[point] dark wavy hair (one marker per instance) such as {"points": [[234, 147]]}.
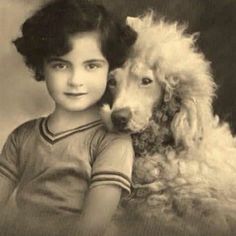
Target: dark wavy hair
{"points": [[47, 33]]}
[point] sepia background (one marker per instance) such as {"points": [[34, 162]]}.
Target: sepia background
{"points": [[22, 98]]}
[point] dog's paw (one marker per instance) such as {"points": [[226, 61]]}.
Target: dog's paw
{"points": [[146, 170]]}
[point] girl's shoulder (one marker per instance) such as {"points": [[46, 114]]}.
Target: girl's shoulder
{"points": [[102, 133], [103, 138], [27, 125], [26, 128], [21, 133]]}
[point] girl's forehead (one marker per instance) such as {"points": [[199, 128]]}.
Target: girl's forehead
{"points": [[85, 45], [85, 35]]}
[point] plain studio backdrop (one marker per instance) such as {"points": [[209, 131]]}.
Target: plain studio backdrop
{"points": [[22, 98]]}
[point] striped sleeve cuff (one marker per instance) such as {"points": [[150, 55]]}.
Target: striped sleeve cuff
{"points": [[111, 178]]}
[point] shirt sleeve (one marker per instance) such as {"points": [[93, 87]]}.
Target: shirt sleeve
{"points": [[113, 162], [8, 159]]}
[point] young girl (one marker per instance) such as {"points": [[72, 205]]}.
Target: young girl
{"points": [[66, 165]]}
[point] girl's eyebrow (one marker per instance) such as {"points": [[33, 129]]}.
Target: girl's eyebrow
{"points": [[95, 60], [52, 59]]}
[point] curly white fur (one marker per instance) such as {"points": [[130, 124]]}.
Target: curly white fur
{"points": [[195, 182]]}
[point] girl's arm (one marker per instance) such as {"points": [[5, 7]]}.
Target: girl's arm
{"points": [[9, 167], [100, 205], [6, 189], [111, 175]]}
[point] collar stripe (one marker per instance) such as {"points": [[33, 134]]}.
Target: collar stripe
{"points": [[53, 138], [70, 130]]}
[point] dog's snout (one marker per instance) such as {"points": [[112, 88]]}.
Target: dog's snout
{"points": [[121, 117]]}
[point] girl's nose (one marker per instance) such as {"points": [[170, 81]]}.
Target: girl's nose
{"points": [[74, 80]]}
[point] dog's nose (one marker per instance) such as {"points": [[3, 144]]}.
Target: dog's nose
{"points": [[121, 117]]}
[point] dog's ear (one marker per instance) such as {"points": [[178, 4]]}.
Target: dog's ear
{"points": [[195, 114], [105, 112], [134, 22], [106, 98], [186, 107], [105, 104], [187, 125], [139, 23]]}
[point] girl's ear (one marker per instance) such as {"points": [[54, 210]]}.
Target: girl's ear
{"points": [[39, 73]]}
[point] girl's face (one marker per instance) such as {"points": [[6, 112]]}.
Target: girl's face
{"points": [[77, 80]]}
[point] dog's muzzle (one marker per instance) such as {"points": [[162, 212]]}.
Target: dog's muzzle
{"points": [[120, 118]]}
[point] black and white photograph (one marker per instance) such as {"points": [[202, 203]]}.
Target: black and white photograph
{"points": [[118, 118]]}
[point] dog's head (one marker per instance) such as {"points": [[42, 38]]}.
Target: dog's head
{"points": [[164, 78]]}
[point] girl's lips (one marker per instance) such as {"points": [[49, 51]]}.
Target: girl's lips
{"points": [[75, 94]]}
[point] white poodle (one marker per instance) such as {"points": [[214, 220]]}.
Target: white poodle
{"points": [[184, 177]]}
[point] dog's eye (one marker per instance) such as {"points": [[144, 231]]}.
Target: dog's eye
{"points": [[146, 81], [112, 82]]}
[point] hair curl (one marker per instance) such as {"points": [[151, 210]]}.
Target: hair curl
{"points": [[46, 33]]}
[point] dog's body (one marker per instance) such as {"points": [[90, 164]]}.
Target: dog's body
{"points": [[185, 167]]}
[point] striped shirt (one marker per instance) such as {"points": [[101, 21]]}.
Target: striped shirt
{"points": [[54, 171]]}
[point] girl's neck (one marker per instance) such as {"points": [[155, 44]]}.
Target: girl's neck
{"points": [[62, 120]]}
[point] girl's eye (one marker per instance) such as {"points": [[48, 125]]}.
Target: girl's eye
{"points": [[59, 66], [146, 81], [92, 66]]}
